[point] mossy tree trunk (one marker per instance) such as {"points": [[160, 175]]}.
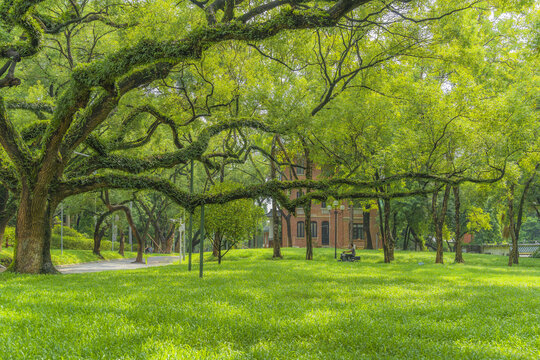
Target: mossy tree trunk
{"points": [[33, 233], [127, 211], [99, 232]]}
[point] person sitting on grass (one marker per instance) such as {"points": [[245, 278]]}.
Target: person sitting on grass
{"points": [[345, 256]]}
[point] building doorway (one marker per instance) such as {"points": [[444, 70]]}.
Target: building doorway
{"points": [[325, 233]]}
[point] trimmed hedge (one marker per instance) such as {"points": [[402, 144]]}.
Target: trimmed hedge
{"points": [[73, 240]]}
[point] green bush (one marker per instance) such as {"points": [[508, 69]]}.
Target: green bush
{"points": [[74, 240], [9, 235]]}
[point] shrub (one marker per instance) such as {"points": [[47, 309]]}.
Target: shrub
{"points": [[73, 240], [9, 235], [536, 254]]}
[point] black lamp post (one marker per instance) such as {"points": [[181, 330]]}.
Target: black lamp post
{"points": [[341, 208]]}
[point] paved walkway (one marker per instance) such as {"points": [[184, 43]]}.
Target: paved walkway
{"points": [[112, 265]]}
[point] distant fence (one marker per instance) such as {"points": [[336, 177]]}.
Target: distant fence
{"points": [[501, 249]]}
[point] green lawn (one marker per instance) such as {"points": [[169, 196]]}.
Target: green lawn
{"points": [[251, 307]]}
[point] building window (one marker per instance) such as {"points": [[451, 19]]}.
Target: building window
{"points": [[299, 170], [299, 194], [300, 229], [358, 230], [313, 229], [323, 205]]}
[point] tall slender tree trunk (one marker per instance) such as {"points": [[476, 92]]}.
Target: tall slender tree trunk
{"points": [[122, 243], [309, 237], [406, 238], [459, 248], [351, 223], [309, 176], [515, 228], [392, 231], [513, 257], [384, 216], [438, 222], [367, 229], [275, 217], [389, 240]]}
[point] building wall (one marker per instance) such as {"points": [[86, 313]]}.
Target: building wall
{"points": [[320, 214]]}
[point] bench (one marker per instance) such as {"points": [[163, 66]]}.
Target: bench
{"points": [[349, 258]]}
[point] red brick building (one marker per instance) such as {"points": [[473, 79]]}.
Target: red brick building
{"points": [[324, 223]]}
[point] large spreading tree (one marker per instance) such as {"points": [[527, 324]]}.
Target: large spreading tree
{"points": [[91, 137]]}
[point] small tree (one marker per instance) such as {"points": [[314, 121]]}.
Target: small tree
{"points": [[232, 222]]}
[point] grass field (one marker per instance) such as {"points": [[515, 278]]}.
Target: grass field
{"points": [[252, 307]]}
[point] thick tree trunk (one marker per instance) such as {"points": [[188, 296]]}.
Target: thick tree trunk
{"points": [[367, 230], [99, 232], [33, 234], [216, 245], [169, 241], [275, 232], [289, 230], [459, 249]]}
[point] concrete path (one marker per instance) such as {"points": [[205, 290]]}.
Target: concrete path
{"points": [[112, 265]]}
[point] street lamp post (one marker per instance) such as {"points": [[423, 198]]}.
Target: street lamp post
{"points": [[201, 243], [62, 229], [341, 208], [190, 226], [130, 230]]}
